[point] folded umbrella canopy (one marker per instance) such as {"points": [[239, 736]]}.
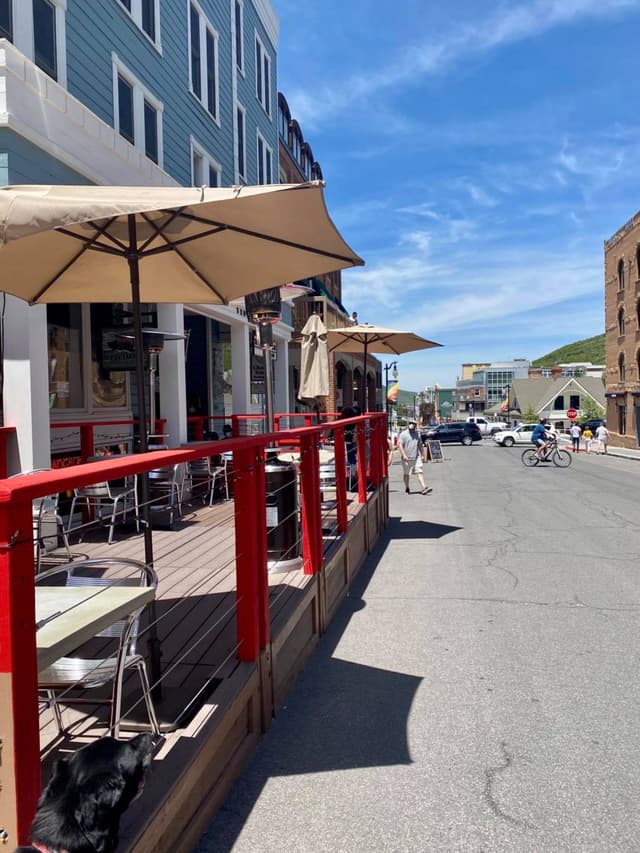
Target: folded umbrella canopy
{"points": [[314, 360], [366, 338]]}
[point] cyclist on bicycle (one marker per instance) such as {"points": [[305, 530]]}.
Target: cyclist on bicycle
{"points": [[539, 437]]}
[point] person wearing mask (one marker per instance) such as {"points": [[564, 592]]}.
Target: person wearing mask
{"points": [[412, 456]]}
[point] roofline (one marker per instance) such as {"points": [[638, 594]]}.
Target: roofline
{"points": [[628, 226]]}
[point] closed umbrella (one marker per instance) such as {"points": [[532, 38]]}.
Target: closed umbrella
{"points": [[170, 244], [369, 338], [314, 360]]}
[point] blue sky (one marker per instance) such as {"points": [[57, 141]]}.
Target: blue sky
{"points": [[477, 154]]}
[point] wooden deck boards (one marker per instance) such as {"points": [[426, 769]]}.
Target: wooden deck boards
{"points": [[196, 608]]}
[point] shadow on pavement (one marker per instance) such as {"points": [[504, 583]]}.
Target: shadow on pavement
{"points": [[340, 715]]}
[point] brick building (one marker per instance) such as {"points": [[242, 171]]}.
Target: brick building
{"points": [[622, 333]]}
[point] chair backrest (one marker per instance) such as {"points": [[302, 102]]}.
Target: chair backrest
{"points": [[200, 467]]}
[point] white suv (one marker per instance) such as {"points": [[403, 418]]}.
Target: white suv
{"points": [[520, 435]]}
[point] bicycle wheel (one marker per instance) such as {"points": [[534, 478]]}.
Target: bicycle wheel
{"points": [[561, 458], [529, 458]]}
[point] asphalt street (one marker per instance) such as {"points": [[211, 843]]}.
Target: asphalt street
{"points": [[479, 689]]}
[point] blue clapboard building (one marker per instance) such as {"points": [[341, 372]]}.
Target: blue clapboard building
{"points": [[133, 92]]}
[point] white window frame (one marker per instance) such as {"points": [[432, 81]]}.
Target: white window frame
{"points": [[241, 176], [261, 95], [140, 95], [241, 65], [23, 33], [205, 26], [136, 16], [267, 150], [207, 160]]}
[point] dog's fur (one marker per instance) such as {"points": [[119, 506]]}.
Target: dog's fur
{"points": [[80, 809]]}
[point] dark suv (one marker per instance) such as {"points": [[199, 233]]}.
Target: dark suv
{"points": [[592, 423], [458, 431]]}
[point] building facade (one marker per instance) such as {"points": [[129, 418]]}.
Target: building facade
{"points": [[133, 92], [622, 333], [346, 374], [487, 389]]}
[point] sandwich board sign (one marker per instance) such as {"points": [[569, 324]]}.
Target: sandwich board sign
{"points": [[434, 451]]}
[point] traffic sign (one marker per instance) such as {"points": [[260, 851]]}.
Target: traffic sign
{"points": [[572, 414]]}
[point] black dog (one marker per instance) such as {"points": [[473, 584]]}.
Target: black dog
{"points": [[80, 809]]}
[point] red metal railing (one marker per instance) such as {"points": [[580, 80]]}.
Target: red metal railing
{"points": [[18, 666], [87, 435]]}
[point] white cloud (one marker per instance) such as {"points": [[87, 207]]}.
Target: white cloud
{"points": [[505, 26]]}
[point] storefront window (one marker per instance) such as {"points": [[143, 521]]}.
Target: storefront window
{"points": [[64, 331], [108, 387]]}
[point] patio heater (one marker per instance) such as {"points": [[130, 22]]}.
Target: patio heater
{"points": [[153, 341], [264, 309]]}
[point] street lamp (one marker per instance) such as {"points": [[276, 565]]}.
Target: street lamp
{"points": [[393, 366]]}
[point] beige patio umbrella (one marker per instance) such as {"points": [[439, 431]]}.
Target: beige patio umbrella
{"points": [[314, 360], [162, 244], [367, 338]]}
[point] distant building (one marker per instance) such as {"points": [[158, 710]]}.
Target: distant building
{"points": [[622, 333], [488, 387], [552, 397], [573, 368]]}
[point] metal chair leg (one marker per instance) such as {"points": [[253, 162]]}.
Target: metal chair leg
{"points": [[146, 692]]}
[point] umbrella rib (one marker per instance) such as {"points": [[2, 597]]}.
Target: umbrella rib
{"points": [[60, 272], [247, 232]]}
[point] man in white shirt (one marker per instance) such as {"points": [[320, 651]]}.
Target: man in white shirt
{"points": [[602, 435]]}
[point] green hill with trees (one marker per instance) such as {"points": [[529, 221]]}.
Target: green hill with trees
{"points": [[590, 349]]}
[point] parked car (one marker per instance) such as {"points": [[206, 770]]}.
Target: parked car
{"points": [[520, 435], [457, 431], [592, 423], [488, 427]]}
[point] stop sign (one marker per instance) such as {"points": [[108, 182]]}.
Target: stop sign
{"points": [[572, 414]]}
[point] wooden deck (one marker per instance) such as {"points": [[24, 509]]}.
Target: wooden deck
{"points": [[207, 693]]}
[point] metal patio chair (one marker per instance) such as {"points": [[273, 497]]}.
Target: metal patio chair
{"points": [[206, 471], [166, 486], [45, 510], [100, 495], [70, 673]]}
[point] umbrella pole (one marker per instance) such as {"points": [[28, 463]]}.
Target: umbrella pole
{"points": [[134, 272], [364, 370]]}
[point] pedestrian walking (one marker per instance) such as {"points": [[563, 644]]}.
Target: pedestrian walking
{"points": [[602, 435], [587, 435], [412, 456], [576, 432]]}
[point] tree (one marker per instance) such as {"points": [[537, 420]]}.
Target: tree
{"points": [[590, 409], [530, 416]]}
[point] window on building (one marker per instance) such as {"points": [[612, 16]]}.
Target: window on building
{"points": [[125, 109], [622, 420], [559, 403], [239, 34], [621, 274], [621, 367], [137, 113], [265, 161], [64, 334], [638, 362], [44, 37], [263, 76], [146, 15], [205, 171], [240, 143], [37, 28], [638, 314], [638, 262], [546, 373], [150, 131], [6, 19], [621, 321], [574, 401], [295, 144], [283, 124], [203, 51]]}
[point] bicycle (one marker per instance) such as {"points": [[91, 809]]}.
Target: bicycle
{"points": [[552, 453]]}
